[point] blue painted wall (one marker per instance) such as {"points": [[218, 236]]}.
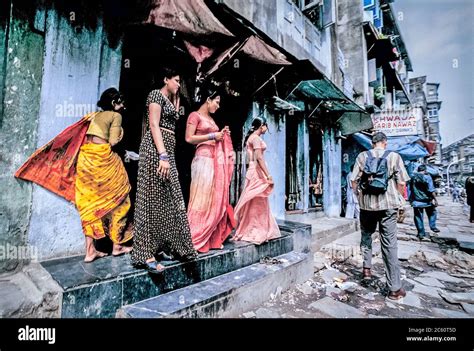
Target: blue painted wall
{"points": [[77, 66], [331, 174]]}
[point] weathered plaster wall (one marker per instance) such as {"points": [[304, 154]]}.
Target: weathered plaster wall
{"points": [[331, 174], [78, 65], [289, 28], [303, 162], [23, 63], [275, 156], [276, 161], [352, 43]]}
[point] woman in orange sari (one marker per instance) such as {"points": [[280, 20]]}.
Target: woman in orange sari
{"points": [[80, 166], [209, 213], [256, 223]]}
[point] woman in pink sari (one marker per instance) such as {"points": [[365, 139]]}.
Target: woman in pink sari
{"points": [[256, 223], [211, 218]]}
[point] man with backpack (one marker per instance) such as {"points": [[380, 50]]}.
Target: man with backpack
{"points": [[423, 197], [379, 177]]}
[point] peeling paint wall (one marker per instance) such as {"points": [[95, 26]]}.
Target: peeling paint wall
{"points": [[331, 174], [276, 162], [78, 66], [303, 161], [21, 100]]}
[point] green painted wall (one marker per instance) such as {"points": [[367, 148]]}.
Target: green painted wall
{"points": [[21, 101]]}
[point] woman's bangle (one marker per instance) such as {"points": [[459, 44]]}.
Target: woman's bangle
{"points": [[164, 157], [211, 136]]}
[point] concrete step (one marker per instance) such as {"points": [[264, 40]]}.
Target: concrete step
{"points": [[227, 295], [343, 248], [323, 235], [325, 230], [100, 288]]}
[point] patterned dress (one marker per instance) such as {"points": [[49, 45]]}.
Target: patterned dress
{"points": [[161, 222]]}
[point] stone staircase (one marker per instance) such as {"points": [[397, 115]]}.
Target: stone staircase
{"points": [[103, 287], [226, 295], [222, 283]]}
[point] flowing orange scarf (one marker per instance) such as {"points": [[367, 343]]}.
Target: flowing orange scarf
{"points": [[53, 166]]}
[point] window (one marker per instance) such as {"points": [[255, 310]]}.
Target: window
{"points": [[369, 3], [314, 13], [309, 4], [433, 112]]}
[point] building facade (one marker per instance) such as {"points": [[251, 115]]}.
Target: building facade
{"points": [[433, 106], [60, 56], [425, 96], [459, 156], [378, 64]]}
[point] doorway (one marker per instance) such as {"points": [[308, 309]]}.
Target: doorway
{"points": [[315, 165]]}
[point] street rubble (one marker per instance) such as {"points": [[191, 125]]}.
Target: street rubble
{"points": [[437, 275]]}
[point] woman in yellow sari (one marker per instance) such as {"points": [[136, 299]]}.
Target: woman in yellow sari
{"points": [[102, 186], [80, 166]]}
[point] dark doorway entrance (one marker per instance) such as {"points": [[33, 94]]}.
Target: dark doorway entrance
{"points": [[294, 191], [315, 165], [146, 50]]}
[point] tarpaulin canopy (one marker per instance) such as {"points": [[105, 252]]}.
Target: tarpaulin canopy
{"points": [[186, 16], [353, 122], [353, 119], [429, 145], [318, 90], [433, 171], [199, 23], [279, 104], [408, 147], [254, 47]]}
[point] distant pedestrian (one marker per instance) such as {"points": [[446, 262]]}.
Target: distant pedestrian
{"points": [[352, 208], [470, 196], [423, 198], [455, 194], [380, 176]]}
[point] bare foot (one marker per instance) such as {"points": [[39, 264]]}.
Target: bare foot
{"points": [[94, 256], [120, 250]]}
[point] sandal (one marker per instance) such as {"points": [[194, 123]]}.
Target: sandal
{"points": [[154, 267], [165, 257]]}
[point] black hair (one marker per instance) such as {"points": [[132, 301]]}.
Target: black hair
{"points": [[159, 77], [208, 91], [107, 97], [378, 137], [256, 123]]}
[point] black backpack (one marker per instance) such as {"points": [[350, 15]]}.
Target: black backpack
{"points": [[375, 175]]}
